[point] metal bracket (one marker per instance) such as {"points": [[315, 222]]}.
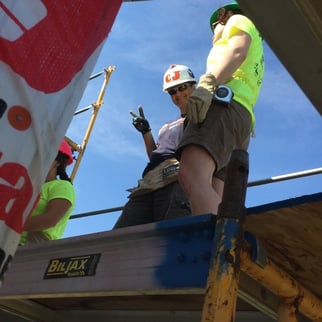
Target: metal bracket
{"points": [[258, 250]]}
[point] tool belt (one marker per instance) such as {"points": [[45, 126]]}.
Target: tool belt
{"points": [[162, 175]]}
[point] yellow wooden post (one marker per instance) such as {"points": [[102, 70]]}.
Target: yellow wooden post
{"points": [[222, 284]]}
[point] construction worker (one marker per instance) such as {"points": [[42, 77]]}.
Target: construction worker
{"points": [[158, 195], [221, 109], [57, 199]]}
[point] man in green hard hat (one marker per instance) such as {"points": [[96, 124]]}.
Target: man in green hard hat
{"points": [[221, 109]]}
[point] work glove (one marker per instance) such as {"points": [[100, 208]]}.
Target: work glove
{"points": [[201, 98], [140, 122]]}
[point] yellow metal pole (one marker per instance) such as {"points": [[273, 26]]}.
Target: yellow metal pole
{"points": [[96, 106], [222, 284], [287, 312], [283, 285]]}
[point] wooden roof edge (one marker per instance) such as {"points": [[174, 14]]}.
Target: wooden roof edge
{"points": [[285, 203]]}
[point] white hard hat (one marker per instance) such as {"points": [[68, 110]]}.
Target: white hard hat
{"points": [[177, 74]]}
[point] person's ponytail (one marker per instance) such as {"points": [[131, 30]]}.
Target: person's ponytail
{"points": [[62, 159]]}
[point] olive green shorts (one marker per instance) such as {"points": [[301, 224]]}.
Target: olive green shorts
{"points": [[225, 129]]}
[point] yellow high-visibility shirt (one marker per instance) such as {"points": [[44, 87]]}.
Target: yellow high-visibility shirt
{"points": [[50, 190], [247, 80]]}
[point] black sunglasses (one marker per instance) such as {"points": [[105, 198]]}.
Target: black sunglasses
{"points": [[180, 88]]}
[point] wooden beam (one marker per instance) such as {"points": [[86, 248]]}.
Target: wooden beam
{"points": [[292, 29]]}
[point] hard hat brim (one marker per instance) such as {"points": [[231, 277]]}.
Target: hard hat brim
{"points": [[179, 82]]}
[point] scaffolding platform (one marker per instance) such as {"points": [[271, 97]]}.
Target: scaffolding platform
{"points": [[160, 270]]}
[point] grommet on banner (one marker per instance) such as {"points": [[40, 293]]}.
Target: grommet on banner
{"points": [[19, 118]]}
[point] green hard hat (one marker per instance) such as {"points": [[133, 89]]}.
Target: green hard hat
{"points": [[229, 6]]}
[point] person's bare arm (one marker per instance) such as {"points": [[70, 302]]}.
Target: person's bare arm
{"points": [[149, 143], [231, 58], [56, 209]]}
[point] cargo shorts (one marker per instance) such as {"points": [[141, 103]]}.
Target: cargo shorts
{"points": [[225, 129]]}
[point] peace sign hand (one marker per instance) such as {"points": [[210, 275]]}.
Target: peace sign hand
{"points": [[140, 122]]}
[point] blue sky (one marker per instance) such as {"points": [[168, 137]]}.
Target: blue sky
{"points": [[146, 38]]}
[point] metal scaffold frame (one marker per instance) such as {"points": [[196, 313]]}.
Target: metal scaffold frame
{"points": [[237, 266], [232, 254]]}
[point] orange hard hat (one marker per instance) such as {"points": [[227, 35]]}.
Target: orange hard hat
{"points": [[65, 149]]}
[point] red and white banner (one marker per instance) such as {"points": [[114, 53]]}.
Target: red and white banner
{"points": [[48, 50]]}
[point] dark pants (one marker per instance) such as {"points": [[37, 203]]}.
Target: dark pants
{"points": [[165, 203]]}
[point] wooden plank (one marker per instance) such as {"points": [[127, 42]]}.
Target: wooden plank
{"points": [[303, 18], [291, 231]]}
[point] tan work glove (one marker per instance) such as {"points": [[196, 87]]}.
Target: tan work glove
{"points": [[201, 98]]}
